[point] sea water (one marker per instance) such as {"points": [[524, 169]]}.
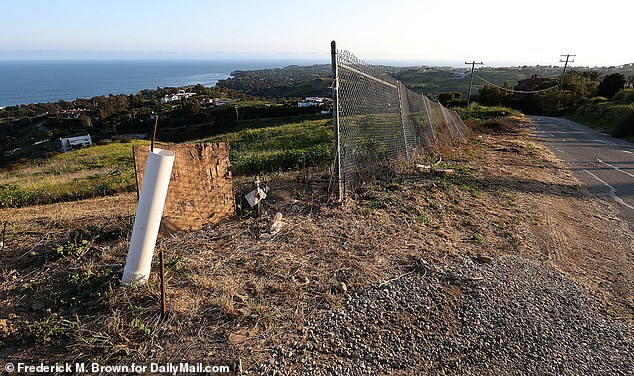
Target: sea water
{"points": [[36, 81]]}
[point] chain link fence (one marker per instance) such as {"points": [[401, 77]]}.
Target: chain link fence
{"points": [[378, 120]]}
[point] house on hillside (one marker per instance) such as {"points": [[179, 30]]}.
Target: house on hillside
{"points": [[71, 143], [533, 82], [312, 101], [176, 97]]}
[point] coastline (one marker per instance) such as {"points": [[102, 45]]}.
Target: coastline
{"points": [[49, 81]]}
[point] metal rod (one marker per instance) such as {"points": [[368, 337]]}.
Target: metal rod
{"points": [[163, 300], [335, 116], [154, 133], [401, 112], [431, 123]]}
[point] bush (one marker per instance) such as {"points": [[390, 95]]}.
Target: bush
{"points": [[625, 126], [12, 195], [624, 97]]}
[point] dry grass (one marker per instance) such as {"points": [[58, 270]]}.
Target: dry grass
{"points": [[235, 290]]}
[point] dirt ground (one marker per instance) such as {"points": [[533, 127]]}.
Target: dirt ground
{"points": [[237, 289]]}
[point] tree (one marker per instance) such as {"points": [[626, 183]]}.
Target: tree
{"points": [[86, 122], [190, 106], [446, 98], [490, 95], [611, 84]]}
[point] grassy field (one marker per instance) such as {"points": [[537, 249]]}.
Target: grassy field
{"points": [[90, 172], [279, 147], [267, 145], [439, 80]]}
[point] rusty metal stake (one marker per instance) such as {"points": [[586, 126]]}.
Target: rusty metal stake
{"points": [[4, 232], [163, 302], [154, 133]]}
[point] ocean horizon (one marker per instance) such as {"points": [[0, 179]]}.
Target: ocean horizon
{"points": [[40, 81]]}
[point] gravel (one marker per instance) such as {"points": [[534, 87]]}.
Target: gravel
{"points": [[503, 316]]}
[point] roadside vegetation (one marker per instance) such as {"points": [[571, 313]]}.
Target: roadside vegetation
{"points": [[614, 116]]}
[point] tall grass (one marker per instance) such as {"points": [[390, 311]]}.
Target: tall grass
{"points": [[280, 147]]}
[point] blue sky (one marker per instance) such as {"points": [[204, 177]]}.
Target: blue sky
{"points": [[494, 31]]}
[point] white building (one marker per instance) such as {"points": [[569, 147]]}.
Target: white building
{"points": [[311, 101], [176, 97]]}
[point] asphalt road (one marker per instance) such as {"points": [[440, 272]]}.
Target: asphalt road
{"points": [[603, 163]]}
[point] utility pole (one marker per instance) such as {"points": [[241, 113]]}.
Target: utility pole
{"points": [[473, 64], [568, 56]]}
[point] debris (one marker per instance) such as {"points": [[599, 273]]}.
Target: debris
{"points": [[423, 168], [484, 259], [276, 227], [277, 224], [255, 196]]}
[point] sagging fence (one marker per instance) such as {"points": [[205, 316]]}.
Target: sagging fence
{"points": [[377, 119]]}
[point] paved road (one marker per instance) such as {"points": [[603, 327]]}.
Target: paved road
{"points": [[605, 164]]}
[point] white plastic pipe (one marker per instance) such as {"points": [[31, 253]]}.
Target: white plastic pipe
{"points": [[158, 170]]}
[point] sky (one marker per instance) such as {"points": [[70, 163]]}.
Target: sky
{"points": [[495, 32]]}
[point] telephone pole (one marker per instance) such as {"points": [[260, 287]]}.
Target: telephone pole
{"points": [[473, 64], [568, 56]]}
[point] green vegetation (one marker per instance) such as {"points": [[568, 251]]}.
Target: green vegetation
{"points": [[614, 116], [90, 172], [279, 147], [479, 113], [266, 145]]}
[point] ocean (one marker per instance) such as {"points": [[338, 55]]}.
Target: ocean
{"points": [[23, 82]]}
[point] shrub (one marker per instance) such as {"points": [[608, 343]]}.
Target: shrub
{"points": [[624, 97], [625, 126], [12, 195]]}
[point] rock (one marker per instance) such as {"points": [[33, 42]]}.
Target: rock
{"points": [[484, 259], [341, 287]]}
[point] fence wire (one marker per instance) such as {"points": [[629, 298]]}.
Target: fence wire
{"points": [[378, 120]]}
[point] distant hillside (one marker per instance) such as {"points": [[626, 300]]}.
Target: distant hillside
{"points": [[291, 81], [301, 81]]}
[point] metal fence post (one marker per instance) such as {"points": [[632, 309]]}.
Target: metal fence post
{"points": [[335, 115], [431, 123], [401, 111]]}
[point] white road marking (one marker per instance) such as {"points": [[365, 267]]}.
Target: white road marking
{"points": [[606, 142], [612, 191], [626, 151], [616, 168]]}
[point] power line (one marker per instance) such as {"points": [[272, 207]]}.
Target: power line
{"points": [[568, 56], [473, 64], [516, 91]]}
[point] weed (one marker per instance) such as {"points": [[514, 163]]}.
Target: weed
{"points": [[73, 248], [140, 327], [84, 285], [423, 219], [477, 238], [50, 329]]}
